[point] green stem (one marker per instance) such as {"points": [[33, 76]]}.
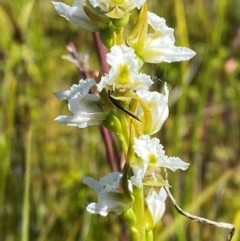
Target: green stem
{"points": [[149, 235], [120, 38], [25, 208], [124, 120], [139, 212], [134, 234]]}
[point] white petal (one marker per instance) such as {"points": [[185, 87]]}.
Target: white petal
{"points": [[75, 14], [159, 24], [108, 182], [108, 5], [95, 208], [144, 146], [170, 54], [111, 181], [82, 88], [138, 3], [92, 183], [103, 208], [81, 120], [90, 104], [175, 163], [138, 175], [122, 55], [83, 116]]}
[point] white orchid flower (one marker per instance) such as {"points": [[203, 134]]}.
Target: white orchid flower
{"points": [[75, 14], [151, 158], [87, 108], [159, 46], [110, 198], [123, 74]]}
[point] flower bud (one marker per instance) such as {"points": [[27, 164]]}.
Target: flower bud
{"points": [[112, 123], [106, 36], [130, 217]]}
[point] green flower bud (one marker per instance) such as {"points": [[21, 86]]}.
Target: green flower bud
{"points": [[112, 123], [106, 36], [130, 217]]}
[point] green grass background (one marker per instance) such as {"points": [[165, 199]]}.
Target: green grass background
{"points": [[42, 162]]}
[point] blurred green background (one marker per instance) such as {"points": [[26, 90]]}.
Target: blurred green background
{"points": [[42, 162]]}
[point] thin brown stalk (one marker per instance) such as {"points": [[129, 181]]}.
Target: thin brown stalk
{"points": [[199, 219]]}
